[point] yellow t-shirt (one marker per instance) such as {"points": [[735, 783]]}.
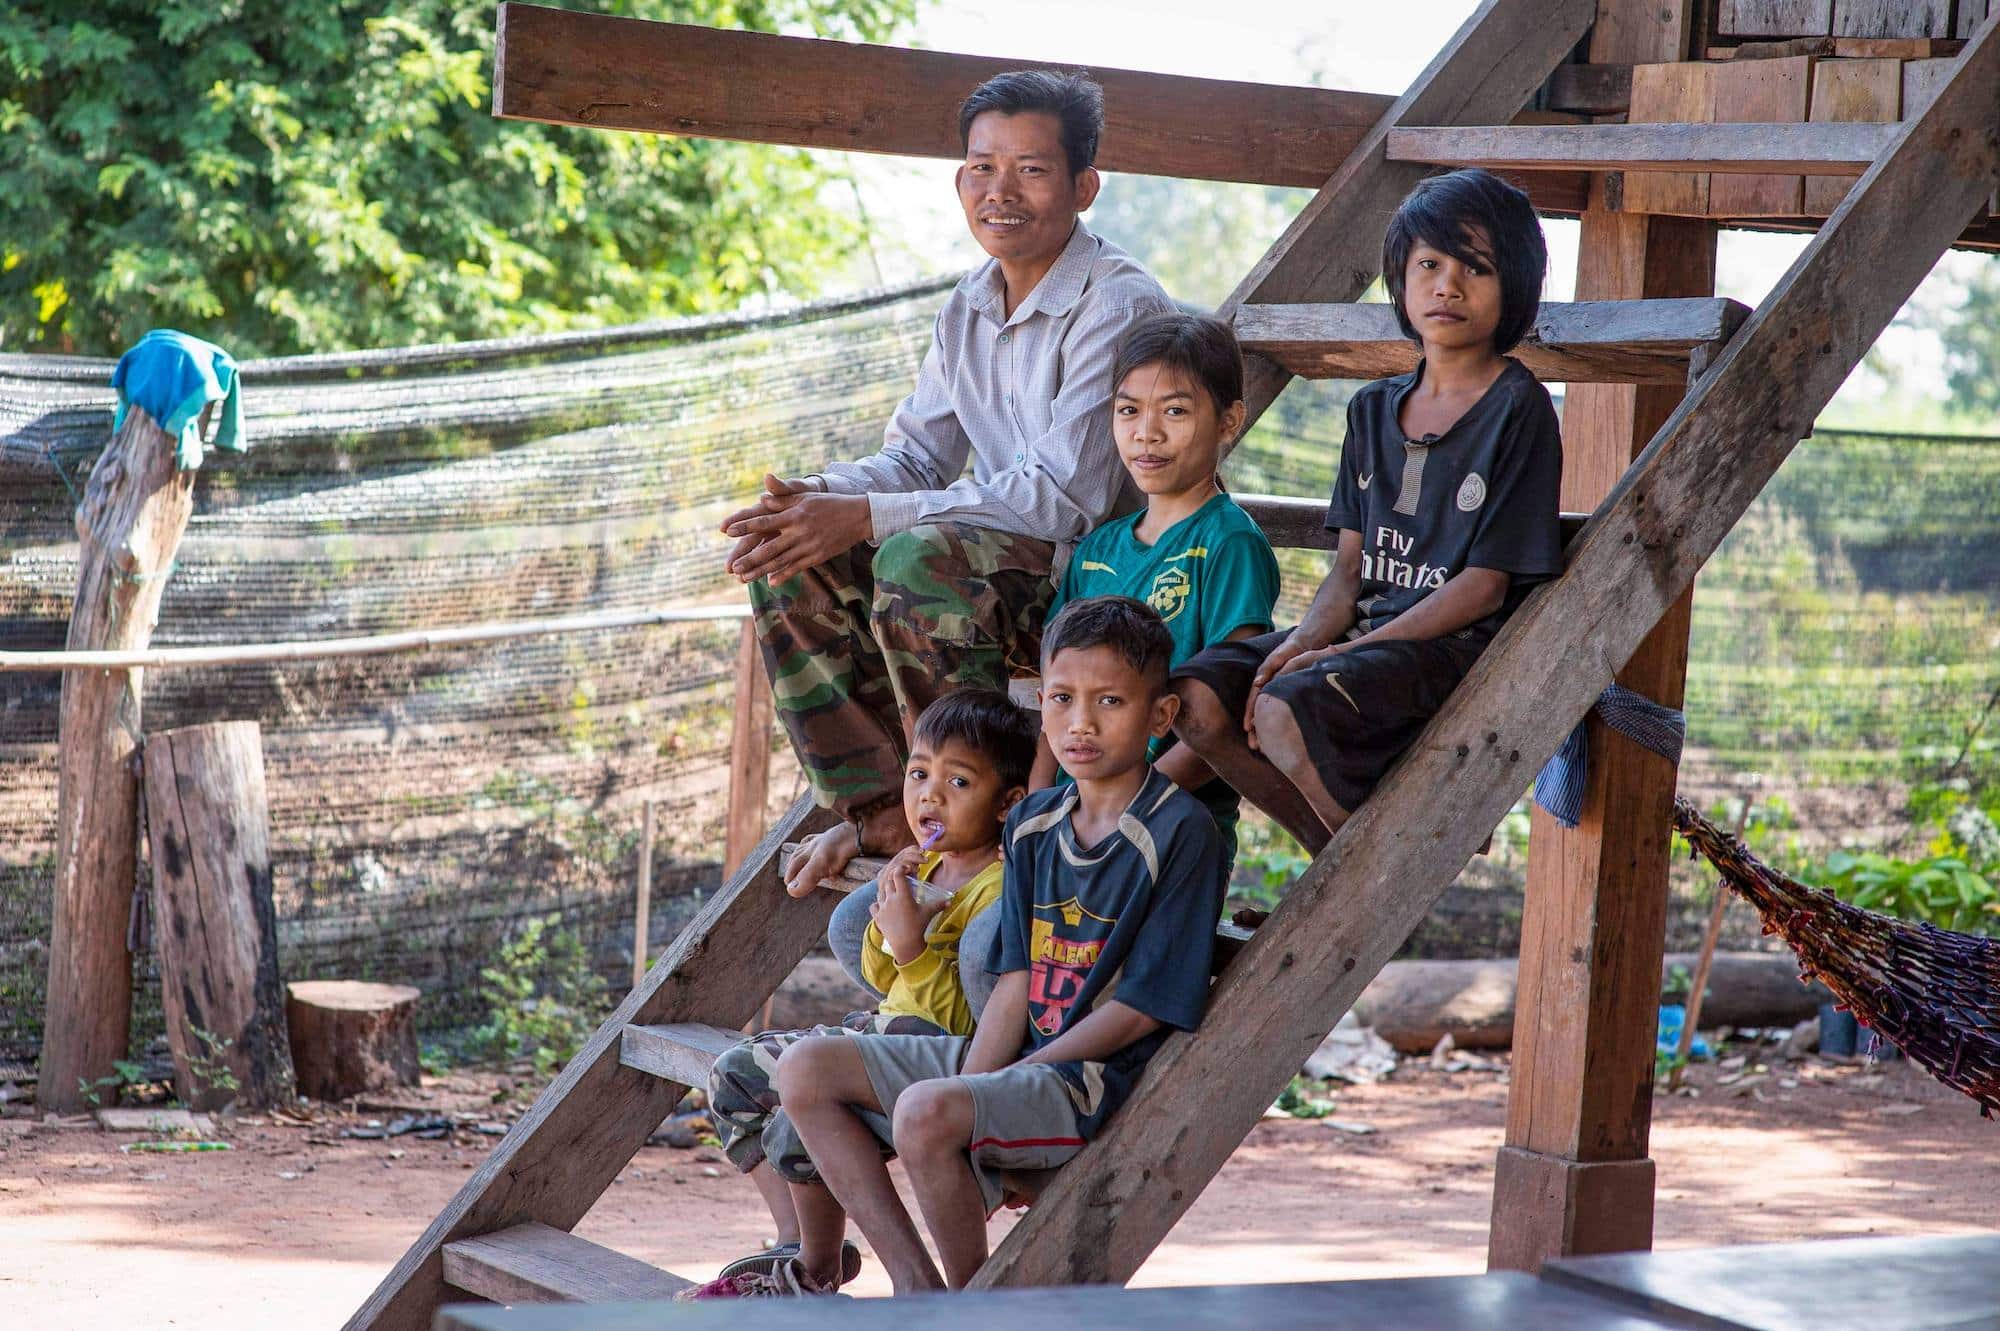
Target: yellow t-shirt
{"points": [[929, 986]]}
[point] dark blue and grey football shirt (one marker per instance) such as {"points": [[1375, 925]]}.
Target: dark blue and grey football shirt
{"points": [[1131, 918], [1484, 494]]}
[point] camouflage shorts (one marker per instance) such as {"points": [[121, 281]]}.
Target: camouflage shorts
{"points": [[857, 647], [744, 1101]]}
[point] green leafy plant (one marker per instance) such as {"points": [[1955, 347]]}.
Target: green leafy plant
{"points": [[122, 1075], [543, 998], [1942, 890], [207, 1068], [1305, 1098]]}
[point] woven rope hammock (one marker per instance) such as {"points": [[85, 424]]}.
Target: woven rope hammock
{"points": [[1935, 993]]}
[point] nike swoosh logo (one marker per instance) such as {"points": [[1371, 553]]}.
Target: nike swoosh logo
{"points": [[1366, 477]]}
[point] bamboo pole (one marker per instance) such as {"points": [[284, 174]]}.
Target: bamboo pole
{"points": [[642, 920], [1703, 963], [749, 764], [380, 644]]}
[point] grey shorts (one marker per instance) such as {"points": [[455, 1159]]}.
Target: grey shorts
{"points": [[1023, 1116]]}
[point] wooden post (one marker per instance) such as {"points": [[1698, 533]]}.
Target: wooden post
{"points": [[749, 753], [1573, 1176], [642, 917], [134, 510], [218, 933]]}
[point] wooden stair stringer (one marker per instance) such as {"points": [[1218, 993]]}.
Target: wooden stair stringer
{"points": [[1379, 876], [563, 1153]]}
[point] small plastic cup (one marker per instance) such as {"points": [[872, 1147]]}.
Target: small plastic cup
{"points": [[926, 895]]}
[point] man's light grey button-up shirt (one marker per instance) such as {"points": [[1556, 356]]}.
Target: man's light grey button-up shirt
{"points": [[1028, 398]]}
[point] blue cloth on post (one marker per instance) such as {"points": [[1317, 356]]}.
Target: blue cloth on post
{"points": [[1659, 729], [173, 376]]}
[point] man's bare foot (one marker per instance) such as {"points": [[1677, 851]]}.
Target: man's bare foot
{"points": [[820, 858]]}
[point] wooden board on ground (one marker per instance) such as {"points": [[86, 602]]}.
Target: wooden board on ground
{"points": [[1881, 1284], [1850, 90], [160, 1122], [1763, 91], [1449, 1303], [1775, 18], [1684, 93], [1892, 18]]}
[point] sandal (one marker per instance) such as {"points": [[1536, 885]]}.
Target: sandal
{"points": [[775, 1256]]}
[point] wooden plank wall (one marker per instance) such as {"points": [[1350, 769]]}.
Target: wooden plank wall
{"points": [[1865, 19], [1784, 89]]}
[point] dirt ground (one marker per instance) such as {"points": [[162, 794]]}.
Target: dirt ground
{"points": [[296, 1224]]}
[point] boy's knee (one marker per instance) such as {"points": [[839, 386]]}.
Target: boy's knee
{"points": [[1275, 721], [933, 1118], [803, 1070]]}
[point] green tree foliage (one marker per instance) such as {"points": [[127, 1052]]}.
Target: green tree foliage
{"points": [[311, 175], [1971, 335]]}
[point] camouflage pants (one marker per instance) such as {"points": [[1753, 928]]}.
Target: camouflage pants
{"points": [[743, 1100], [857, 647]]}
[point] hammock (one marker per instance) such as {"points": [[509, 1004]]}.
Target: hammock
{"points": [[1935, 993]]}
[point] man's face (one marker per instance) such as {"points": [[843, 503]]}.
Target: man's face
{"points": [[1019, 197]]}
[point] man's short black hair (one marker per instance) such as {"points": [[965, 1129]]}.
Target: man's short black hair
{"points": [[1475, 217], [1200, 347], [989, 723], [1072, 98], [1131, 628]]}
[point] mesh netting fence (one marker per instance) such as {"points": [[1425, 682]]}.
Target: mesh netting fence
{"points": [[423, 805]]}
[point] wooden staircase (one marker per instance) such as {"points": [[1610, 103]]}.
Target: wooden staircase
{"points": [[1755, 384]]}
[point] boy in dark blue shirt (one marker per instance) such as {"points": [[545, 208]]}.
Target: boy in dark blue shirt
{"points": [[1113, 886], [1446, 510]]}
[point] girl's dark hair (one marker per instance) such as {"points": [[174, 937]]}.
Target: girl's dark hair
{"points": [[1202, 348], [1475, 217], [1131, 628], [1073, 98], [989, 723]]}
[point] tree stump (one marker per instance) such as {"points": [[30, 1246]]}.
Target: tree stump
{"points": [[351, 1036], [134, 510], [218, 934]]}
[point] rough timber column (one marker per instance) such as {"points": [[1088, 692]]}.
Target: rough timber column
{"points": [[1573, 1176]]}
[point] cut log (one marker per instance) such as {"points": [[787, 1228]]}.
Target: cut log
{"points": [[209, 833], [351, 1036], [130, 522]]}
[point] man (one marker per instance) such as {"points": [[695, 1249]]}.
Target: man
{"points": [[880, 584]]}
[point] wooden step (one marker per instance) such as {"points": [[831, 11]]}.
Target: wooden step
{"points": [[1292, 523], [1591, 341], [1823, 149], [681, 1052], [536, 1263]]}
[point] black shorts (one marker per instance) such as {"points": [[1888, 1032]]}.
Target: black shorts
{"points": [[1358, 711]]}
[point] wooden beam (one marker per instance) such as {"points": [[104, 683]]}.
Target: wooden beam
{"points": [[135, 507], [1380, 874], [569, 68], [533, 1263], [1597, 90], [1577, 342], [1742, 149], [561, 1155], [751, 719], [1333, 249], [1573, 1175]]}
